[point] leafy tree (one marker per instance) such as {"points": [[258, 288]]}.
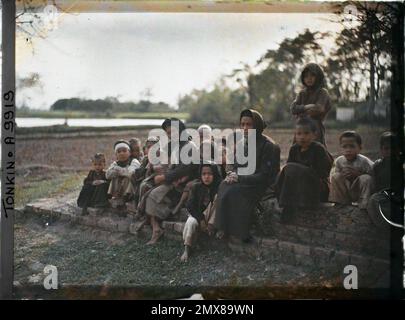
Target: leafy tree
{"points": [[216, 106], [363, 51]]}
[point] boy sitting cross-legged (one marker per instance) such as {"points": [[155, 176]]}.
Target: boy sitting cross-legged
{"points": [[120, 172], [351, 175]]}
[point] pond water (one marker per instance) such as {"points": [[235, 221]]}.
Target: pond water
{"points": [[84, 122]]}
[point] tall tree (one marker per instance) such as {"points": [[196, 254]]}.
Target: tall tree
{"points": [[363, 48]]}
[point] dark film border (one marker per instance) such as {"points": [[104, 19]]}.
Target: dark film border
{"points": [[7, 150], [397, 127]]}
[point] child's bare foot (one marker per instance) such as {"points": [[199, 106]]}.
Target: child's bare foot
{"points": [[184, 256], [155, 237], [220, 235]]}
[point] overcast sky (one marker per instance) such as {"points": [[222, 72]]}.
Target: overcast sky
{"points": [[95, 55]]}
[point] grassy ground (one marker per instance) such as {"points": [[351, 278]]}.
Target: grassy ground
{"points": [[35, 185], [86, 257]]}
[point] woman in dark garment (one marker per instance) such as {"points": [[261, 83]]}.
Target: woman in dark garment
{"points": [[238, 195], [160, 201]]}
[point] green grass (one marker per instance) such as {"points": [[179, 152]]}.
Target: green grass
{"points": [[29, 189], [84, 259]]}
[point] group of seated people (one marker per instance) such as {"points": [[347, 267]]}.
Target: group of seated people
{"points": [[212, 196]]}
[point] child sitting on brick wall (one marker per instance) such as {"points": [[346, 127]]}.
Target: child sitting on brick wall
{"points": [[351, 174], [303, 182], [386, 187], [95, 186], [119, 173], [201, 206]]}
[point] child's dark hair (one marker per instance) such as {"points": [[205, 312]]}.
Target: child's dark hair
{"points": [[98, 157], [388, 139], [351, 134], [315, 69], [134, 141], [306, 122]]}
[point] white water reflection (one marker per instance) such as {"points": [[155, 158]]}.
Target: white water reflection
{"points": [[84, 122]]}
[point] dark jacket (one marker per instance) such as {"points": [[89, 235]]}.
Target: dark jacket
{"points": [[316, 158], [94, 175], [201, 195]]}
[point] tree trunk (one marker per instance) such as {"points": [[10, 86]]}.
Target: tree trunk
{"points": [[371, 102]]}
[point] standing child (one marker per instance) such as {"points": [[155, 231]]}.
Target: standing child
{"points": [[313, 100], [201, 206], [303, 182], [120, 172], [351, 176], [95, 186]]}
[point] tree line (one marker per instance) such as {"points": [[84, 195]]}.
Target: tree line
{"points": [[108, 105], [358, 66]]}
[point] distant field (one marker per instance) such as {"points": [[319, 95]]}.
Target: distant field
{"points": [[81, 114], [74, 150]]}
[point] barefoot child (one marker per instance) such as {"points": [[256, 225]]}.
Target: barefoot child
{"points": [[160, 201], [351, 175], [95, 186], [201, 206], [313, 100], [206, 150], [120, 173], [303, 182]]}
